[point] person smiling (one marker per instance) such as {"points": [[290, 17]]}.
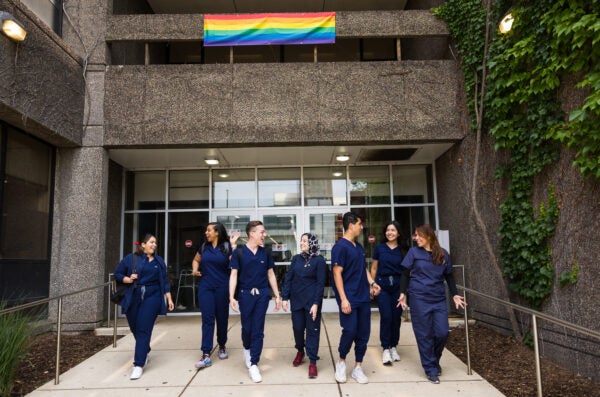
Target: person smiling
{"points": [[148, 297], [429, 265]]}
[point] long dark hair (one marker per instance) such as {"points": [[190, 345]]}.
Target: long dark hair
{"points": [[437, 253], [222, 235], [139, 250], [396, 224]]}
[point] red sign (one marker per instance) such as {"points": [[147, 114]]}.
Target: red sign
{"points": [[371, 238], [188, 243]]}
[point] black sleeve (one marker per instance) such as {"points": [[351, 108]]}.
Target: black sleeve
{"points": [[404, 279], [451, 284]]}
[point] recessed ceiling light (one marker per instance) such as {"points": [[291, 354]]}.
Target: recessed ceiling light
{"points": [[223, 175], [211, 161], [337, 174], [342, 157]]}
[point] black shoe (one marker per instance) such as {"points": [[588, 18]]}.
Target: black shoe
{"points": [[433, 379]]}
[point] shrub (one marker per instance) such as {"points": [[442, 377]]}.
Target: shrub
{"points": [[14, 338]]}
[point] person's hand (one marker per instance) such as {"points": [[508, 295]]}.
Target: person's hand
{"points": [[277, 303], [196, 273], [313, 311], [170, 304], [459, 302], [346, 308], [376, 289], [234, 305], [234, 238], [402, 302], [284, 305], [133, 277]]}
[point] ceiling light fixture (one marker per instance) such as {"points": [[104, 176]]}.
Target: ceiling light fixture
{"points": [[212, 161], [338, 174], [224, 175], [12, 28], [342, 157]]}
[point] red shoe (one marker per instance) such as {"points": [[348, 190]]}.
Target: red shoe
{"points": [[298, 360], [312, 371]]}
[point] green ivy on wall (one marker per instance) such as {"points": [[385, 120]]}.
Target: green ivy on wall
{"points": [[549, 40]]}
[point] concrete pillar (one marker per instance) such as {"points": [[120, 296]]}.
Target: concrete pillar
{"points": [[79, 234]]}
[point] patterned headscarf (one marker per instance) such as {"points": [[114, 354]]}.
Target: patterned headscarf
{"points": [[313, 246]]}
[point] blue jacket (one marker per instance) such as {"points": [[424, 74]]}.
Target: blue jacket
{"points": [[125, 268], [304, 282]]}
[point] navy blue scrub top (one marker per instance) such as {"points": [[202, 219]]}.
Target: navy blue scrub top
{"points": [[214, 266], [148, 272], [304, 282], [252, 272], [354, 275], [426, 278], [389, 260]]}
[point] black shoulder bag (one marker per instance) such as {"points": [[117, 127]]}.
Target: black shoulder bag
{"points": [[119, 288]]}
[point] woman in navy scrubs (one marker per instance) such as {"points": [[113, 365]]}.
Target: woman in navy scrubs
{"points": [[148, 297], [213, 289], [386, 271], [303, 285], [429, 265]]}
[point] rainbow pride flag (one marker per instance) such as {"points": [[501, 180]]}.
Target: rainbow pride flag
{"points": [[269, 29]]}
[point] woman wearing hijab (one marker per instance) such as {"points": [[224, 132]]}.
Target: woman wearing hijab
{"points": [[303, 287]]}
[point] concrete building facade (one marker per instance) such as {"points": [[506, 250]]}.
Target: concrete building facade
{"points": [[126, 106]]}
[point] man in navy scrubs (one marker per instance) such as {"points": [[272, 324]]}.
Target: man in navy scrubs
{"points": [[256, 273], [353, 286]]}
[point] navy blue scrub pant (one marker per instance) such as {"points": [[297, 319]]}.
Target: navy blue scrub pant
{"points": [[141, 315], [302, 321], [253, 310], [214, 305], [389, 317], [430, 325], [356, 328]]}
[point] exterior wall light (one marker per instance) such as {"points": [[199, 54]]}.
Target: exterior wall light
{"points": [[342, 157], [12, 28], [212, 161], [506, 23]]}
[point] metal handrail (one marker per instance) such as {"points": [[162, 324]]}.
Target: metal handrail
{"points": [[59, 298], [534, 315]]}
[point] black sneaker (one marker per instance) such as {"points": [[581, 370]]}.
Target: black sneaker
{"points": [[439, 371], [433, 379]]}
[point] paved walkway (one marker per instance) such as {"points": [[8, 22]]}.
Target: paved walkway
{"points": [[175, 348]]}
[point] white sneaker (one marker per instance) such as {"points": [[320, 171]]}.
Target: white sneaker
{"points": [[386, 357], [359, 375], [136, 373], [340, 372], [247, 358], [394, 353], [255, 374]]}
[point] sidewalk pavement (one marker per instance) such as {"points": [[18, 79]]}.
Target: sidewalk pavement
{"points": [[175, 348]]}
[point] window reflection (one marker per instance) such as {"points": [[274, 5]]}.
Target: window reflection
{"points": [[325, 186], [279, 187], [233, 188], [369, 185]]}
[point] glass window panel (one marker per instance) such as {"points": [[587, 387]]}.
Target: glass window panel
{"points": [[377, 49], [325, 186], [186, 234], [344, 50], [235, 223], [411, 217], [145, 190], [257, 54], [49, 11], [234, 188], [413, 184], [282, 239], [26, 198], [374, 220], [369, 185], [188, 189], [136, 227], [279, 187]]}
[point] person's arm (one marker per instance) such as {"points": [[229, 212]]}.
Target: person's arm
{"points": [[273, 284], [319, 286], [232, 285], [374, 286], [339, 286], [122, 269], [287, 283], [459, 301], [373, 270], [196, 265]]}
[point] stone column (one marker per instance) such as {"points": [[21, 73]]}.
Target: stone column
{"points": [[79, 234]]}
